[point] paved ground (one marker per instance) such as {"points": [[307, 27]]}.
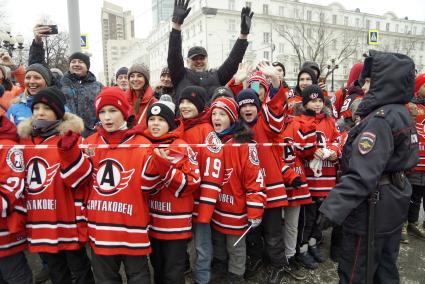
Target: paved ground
{"points": [[411, 265]]}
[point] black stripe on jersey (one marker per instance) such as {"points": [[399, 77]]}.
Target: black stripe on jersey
{"points": [[170, 232], [51, 223], [54, 244], [121, 246], [277, 200], [255, 206], [207, 202], [118, 225], [170, 213], [227, 228], [231, 213], [24, 242], [64, 171]]}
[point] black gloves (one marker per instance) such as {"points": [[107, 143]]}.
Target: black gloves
{"points": [[323, 222], [180, 11], [246, 16], [296, 183]]}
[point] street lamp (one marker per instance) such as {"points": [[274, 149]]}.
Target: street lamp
{"points": [[331, 69], [7, 41]]}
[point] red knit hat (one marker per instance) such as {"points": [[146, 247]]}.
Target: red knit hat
{"points": [[258, 76], [229, 105], [112, 96], [420, 80]]}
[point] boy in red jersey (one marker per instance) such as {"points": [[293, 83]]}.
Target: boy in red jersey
{"points": [[117, 208], [54, 187], [172, 173]]}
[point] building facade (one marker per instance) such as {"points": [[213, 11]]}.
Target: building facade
{"points": [[290, 32], [117, 35], [162, 10]]}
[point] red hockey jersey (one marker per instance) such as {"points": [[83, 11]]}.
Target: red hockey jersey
{"points": [[54, 189], [420, 127], [327, 137], [299, 140], [12, 232], [117, 207], [268, 129], [211, 165], [242, 196], [173, 184]]}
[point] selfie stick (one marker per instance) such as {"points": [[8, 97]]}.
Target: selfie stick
{"points": [[243, 235]]}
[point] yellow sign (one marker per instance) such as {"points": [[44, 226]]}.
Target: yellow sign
{"points": [[84, 41], [372, 37]]}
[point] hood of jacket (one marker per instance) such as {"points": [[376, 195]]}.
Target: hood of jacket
{"points": [[299, 109], [69, 122], [392, 81], [7, 129]]}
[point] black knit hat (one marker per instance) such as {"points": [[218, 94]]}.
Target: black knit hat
{"points": [[308, 71], [53, 97], [121, 71], [163, 110], [196, 95], [43, 71], [248, 96], [312, 92], [165, 70], [81, 56], [222, 91], [312, 65]]}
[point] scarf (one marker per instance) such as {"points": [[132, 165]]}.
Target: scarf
{"points": [[45, 128], [226, 134]]}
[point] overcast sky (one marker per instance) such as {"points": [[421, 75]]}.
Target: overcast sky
{"points": [[23, 15]]}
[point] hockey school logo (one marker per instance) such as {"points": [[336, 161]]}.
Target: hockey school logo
{"points": [[110, 178], [191, 155], [39, 175], [213, 142], [253, 155], [15, 160]]}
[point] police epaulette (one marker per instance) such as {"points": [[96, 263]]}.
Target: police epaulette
{"points": [[380, 113]]}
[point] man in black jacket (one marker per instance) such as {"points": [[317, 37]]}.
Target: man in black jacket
{"points": [[197, 58], [378, 152]]}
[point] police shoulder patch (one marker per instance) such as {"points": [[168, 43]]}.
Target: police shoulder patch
{"points": [[366, 142]]}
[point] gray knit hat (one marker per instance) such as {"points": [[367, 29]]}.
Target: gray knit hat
{"points": [[43, 71], [139, 68]]}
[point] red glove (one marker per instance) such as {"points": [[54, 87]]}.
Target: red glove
{"points": [[68, 141]]}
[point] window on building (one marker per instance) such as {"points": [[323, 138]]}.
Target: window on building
{"points": [[309, 32], [422, 46], [322, 16], [414, 30], [248, 4], [281, 11], [296, 67], [345, 69], [334, 43], [266, 55], [232, 25], [265, 9], [334, 19], [281, 48], [266, 37], [345, 21], [396, 28], [308, 15], [231, 4], [367, 24], [406, 28], [201, 28], [387, 27], [357, 22], [423, 31], [378, 25]]}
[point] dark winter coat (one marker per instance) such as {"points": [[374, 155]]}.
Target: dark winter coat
{"points": [[211, 79], [80, 95], [384, 143]]}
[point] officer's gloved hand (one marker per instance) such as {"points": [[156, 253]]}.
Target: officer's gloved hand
{"points": [[297, 183], [246, 16], [68, 141], [323, 222], [254, 222], [180, 11]]}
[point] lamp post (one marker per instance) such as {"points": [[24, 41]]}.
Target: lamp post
{"points": [[7, 41], [332, 68]]}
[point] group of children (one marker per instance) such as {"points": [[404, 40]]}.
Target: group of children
{"points": [[132, 190]]}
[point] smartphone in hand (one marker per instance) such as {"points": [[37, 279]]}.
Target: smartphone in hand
{"points": [[53, 30]]}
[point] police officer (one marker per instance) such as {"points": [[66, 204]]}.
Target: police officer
{"points": [[378, 152]]}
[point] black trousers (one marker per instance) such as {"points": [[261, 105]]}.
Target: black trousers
{"points": [[14, 269], [307, 227], [61, 265], [353, 259], [418, 195], [270, 231], [168, 260], [106, 268]]}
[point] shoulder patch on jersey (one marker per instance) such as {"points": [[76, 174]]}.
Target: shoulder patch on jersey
{"points": [[15, 160], [191, 155], [213, 142], [366, 142], [380, 113], [90, 152], [253, 155]]}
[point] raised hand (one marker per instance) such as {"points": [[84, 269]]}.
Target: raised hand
{"points": [[246, 16], [244, 70], [181, 11]]}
